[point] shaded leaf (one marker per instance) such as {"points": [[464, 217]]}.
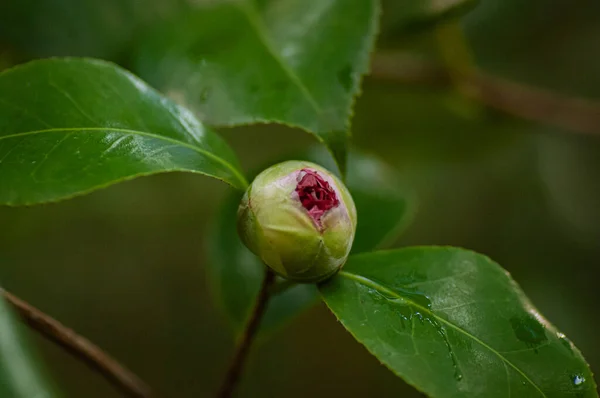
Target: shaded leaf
{"points": [[91, 28], [236, 274], [21, 374], [453, 323], [70, 126], [297, 62]]}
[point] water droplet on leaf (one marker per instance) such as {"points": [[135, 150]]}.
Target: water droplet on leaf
{"points": [[578, 380], [529, 330], [417, 305]]}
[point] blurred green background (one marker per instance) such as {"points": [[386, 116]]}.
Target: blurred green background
{"points": [[125, 265]]}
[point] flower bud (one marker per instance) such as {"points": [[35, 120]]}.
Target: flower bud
{"points": [[299, 219]]}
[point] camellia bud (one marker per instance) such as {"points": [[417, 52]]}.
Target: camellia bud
{"points": [[299, 219]]}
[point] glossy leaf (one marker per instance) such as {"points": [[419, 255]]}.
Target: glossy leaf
{"points": [[454, 324], [21, 375], [70, 126], [236, 274], [297, 62]]}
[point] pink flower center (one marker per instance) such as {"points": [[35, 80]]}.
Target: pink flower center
{"points": [[315, 194]]}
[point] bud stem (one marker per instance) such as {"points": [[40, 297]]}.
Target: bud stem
{"points": [[236, 365]]}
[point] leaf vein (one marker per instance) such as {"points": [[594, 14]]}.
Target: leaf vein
{"points": [[255, 21], [218, 159], [26, 111], [47, 156], [388, 291], [72, 101]]}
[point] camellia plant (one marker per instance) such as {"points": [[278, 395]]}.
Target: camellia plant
{"points": [[449, 321]]}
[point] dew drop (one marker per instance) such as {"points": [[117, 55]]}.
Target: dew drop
{"points": [[578, 380], [529, 330], [417, 305], [442, 332]]}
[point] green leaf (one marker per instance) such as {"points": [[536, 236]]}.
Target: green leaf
{"points": [[296, 62], [91, 28], [383, 209], [70, 126], [453, 323], [21, 374]]}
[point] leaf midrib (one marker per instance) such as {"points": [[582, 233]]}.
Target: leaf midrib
{"points": [[256, 23], [206, 153], [387, 291]]}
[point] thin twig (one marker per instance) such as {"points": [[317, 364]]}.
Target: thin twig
{"points": [[516, 99], [245, 342], [80, 348]]}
